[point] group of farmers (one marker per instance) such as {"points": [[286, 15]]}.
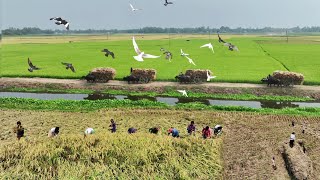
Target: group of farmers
{"points": [[207, 132]]}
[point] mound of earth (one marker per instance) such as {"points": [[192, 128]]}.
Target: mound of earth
{"points": [[297, 162]]}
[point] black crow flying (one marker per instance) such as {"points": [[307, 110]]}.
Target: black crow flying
{"points": [[69, 66], [60, 21], [108, 53], [166, 2], [31, 66], [220, 39]]}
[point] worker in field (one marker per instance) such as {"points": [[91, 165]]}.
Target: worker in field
{"points": [[19, 130], [154, 130], [191, 128], [174, 132], [206, 132], [292, 139], [88, 131], [53, 132], [113, 126], [132, 130], [217, 130]]}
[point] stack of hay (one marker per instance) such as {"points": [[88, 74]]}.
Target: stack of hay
{"points": [[146, 73], [198, 73], [103, 75], [297, 163], [289, 77]]}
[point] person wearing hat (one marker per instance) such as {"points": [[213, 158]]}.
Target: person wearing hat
{"points": [[88, 131], [217, 129], [53, 132]]}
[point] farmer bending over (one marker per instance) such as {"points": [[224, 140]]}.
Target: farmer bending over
{"points": [[206, 132], [53, 132], [174, 132], [191, 128]]}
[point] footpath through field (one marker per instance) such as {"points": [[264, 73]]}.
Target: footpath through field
{"points": [[5, 82]]}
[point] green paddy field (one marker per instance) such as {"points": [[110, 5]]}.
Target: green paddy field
{"points": [[258, 56]]}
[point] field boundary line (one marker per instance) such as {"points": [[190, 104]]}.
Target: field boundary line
{"points": [[268, 54]]}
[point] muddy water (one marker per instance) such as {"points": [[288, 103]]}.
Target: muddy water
{"points": [[168, 100]]}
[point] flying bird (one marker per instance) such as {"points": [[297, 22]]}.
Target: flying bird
{"points": [[220, 39], [140, 54], [108, 53], [166, 2], [56, 19], [60, 21], [210, 77], [231, 47], [183, 54], [31, 66], [168, 54], [183, 92], [190, 60], [134, 9], [69, 66], [186, 55], [209, 45]]}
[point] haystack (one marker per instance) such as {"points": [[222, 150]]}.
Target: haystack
{"points": [[146, 73], [103, 75], [198, 73], [289, 77], [298, 163]]}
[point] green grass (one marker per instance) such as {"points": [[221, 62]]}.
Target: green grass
{"points": [[86, 105], [300, 57], [169, 92], [249, 65]]}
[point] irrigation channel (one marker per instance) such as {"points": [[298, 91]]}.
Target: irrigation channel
{"points": [[168, 100]]}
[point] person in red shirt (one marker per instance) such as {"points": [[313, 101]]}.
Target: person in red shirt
{"points": [[206, 132]]}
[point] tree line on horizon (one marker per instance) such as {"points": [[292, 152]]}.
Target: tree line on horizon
{"points": [[150, 30]]}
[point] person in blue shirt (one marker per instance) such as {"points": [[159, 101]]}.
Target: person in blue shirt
{"points": [[174, 132]]}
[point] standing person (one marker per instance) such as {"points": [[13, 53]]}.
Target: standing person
{"points": [[88, 131], [174, 132], [53, 132], [206, 132], [113, 126], [191, 128], [274, 163], [292, 139], [19, 130]]}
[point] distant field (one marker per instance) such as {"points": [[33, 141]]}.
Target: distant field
{"points": [[258, 56]]}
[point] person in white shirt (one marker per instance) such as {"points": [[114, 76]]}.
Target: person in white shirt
{"points": [[88, 131], [292, 139], [53, 132]]}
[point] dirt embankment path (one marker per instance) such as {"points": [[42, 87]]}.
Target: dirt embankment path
{"points": [[228, 88]]}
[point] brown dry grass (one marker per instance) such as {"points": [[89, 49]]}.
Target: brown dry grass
{"points": [[249, 140], [103, 38]]}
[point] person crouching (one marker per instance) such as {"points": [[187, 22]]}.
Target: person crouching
{"points": [[206, 132], [53, 132]]}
